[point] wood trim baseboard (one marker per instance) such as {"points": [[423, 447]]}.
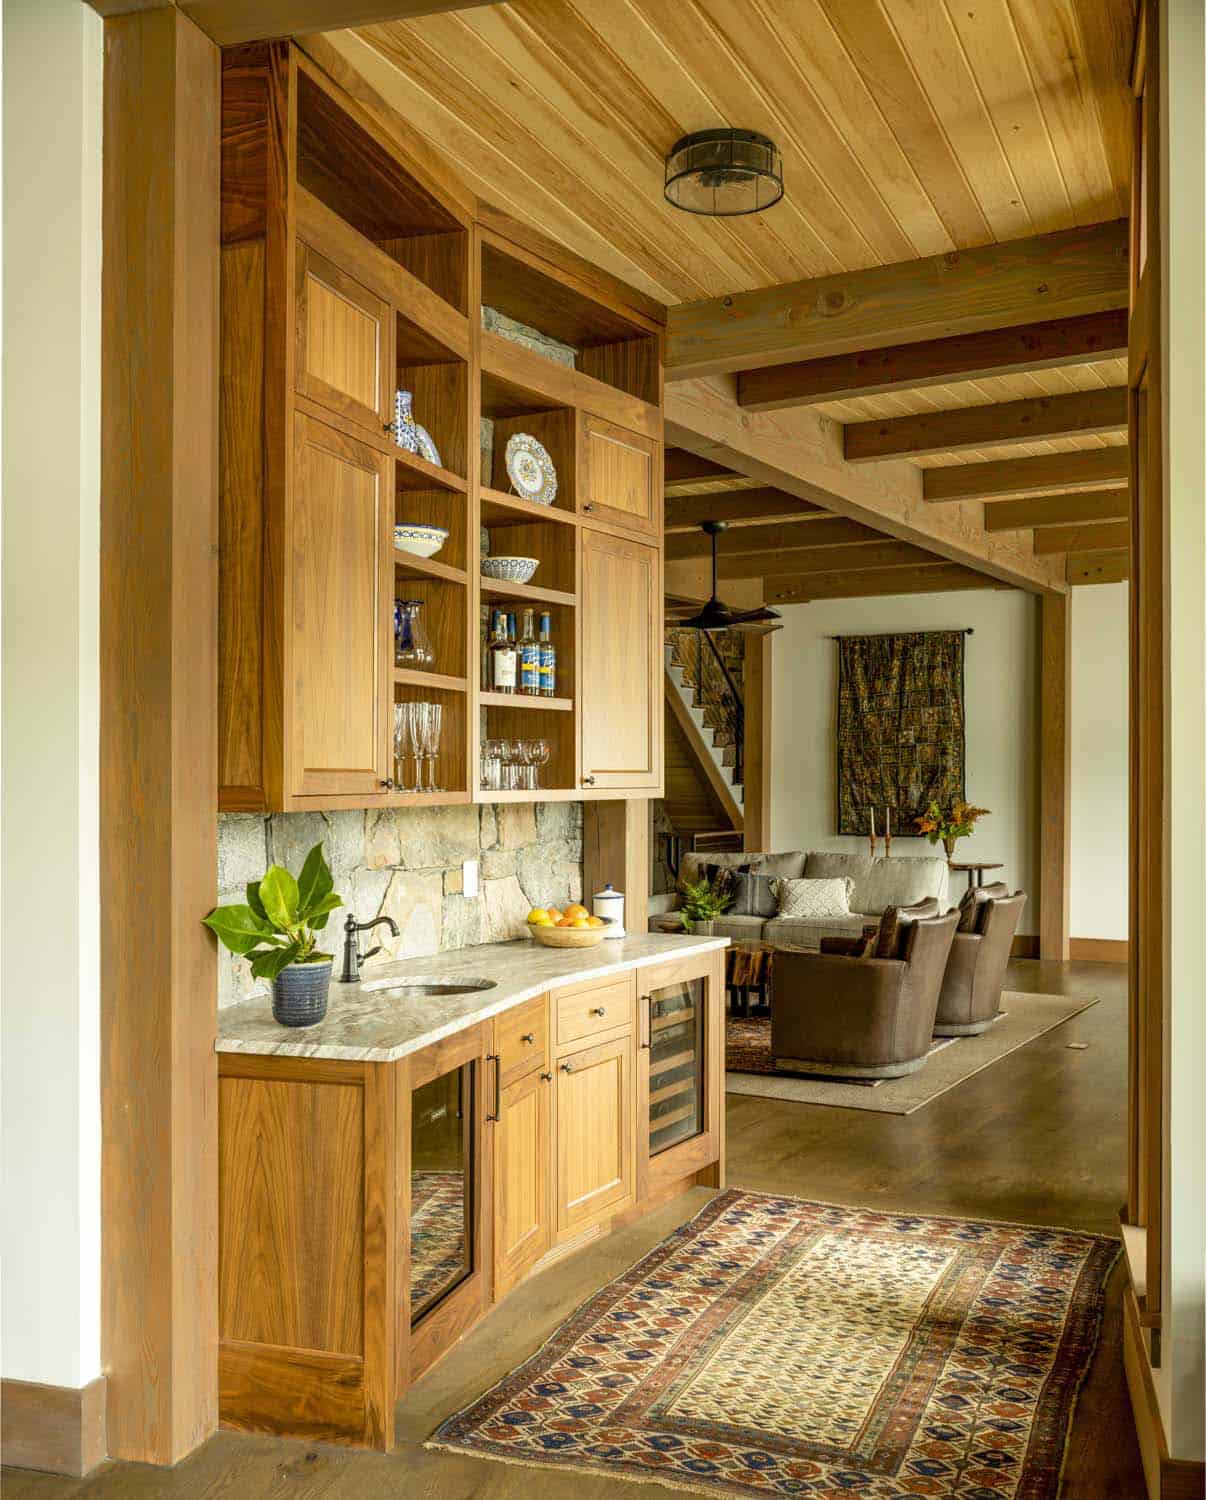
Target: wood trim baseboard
{"points": [[1099, 950], [56, 1428], [1167, 1478]]}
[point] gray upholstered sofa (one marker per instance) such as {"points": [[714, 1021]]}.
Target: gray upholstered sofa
{"points": [[877, 884]]}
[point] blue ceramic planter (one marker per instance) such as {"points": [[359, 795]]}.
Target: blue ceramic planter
{"points": [[299, 993]]}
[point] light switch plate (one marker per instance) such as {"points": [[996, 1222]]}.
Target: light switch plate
{"points": [[469, 877]]}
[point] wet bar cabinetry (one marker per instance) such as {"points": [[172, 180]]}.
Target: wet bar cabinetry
{"points": [[349, 271], [371, 1212]]}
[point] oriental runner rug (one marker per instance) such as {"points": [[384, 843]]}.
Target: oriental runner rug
{"points": [[437, 1232], [772, 1346]]}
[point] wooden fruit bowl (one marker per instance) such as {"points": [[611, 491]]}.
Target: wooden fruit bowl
{"points": [[569, 937]]}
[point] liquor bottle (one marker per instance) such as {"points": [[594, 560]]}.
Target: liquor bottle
{"points": [[512, 633], [502, 658], [548, 658], [529, 657]]}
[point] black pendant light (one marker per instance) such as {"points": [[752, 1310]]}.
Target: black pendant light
{"points": [[724, 172], [716, 615]]}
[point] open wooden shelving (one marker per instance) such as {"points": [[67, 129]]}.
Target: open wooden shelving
{"points": [[362, 274]]}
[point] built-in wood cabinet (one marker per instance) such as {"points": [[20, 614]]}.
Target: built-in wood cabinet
{"points": [[337, 692], [344, 342], [619, 476], [433, 1185], [621, 677], [348, 273]]}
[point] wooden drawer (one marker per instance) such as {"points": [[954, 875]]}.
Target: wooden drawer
{"points": [[521, 1039], [594, 1011]]}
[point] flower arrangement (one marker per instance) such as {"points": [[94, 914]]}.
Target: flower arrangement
{"points": [[950, 824], [702, 903]]}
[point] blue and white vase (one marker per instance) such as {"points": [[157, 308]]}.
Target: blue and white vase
{"points": [[405, 434]]}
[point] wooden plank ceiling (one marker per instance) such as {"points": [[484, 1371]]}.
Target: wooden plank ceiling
{"points": [[910, 129]]}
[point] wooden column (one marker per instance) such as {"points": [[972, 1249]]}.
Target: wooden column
{"points": [[615, 848], [158, 654], [1054, 775], [756, 817]]}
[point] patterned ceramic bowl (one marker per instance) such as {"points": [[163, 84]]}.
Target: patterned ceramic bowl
{"points": [[423, 541], [510, 569]]}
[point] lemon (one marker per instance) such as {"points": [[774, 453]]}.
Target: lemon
{"points": [[539, 917]]}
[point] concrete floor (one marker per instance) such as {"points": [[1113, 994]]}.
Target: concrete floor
{"points": [[1039, 1137]]}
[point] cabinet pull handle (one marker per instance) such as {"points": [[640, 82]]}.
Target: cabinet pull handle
{"points": [[388, 783], [597, 1010], [495, 1058], [529, 1037], [546, 1078], [646, 1020], [567, 1067], [588, 781]]}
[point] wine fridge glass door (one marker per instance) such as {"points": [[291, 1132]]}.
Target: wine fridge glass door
{"points": [[676, 1052], [441, 1188]]}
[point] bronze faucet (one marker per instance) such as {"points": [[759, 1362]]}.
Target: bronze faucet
{"points": [[352, 956]]}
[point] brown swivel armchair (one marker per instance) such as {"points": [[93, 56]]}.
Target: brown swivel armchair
{"points": [[861, 1017], [975, 971]]}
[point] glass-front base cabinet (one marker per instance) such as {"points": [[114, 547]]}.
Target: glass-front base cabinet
{"points": [[680, 1072]]}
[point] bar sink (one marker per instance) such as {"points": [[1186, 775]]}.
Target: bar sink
{"points": [[419, 985]]}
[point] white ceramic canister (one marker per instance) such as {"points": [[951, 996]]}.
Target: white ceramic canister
{"points": [[609, 904]]}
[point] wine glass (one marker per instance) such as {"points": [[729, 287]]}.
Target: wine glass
{"points": [[538, 752], [404, 744], [430, 723]]}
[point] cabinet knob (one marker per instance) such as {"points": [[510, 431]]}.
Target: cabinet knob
{"points": [[590, 504], [598, 1010], [588, 781], [567, 1067], [546, 1078], [529, 1037], [388, 783]]}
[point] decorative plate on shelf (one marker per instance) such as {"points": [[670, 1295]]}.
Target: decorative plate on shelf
{"points": [[530, 469], [427, 449]]}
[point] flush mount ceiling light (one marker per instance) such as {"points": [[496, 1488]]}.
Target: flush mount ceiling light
{"points": [[716, 615], [724, 172]]}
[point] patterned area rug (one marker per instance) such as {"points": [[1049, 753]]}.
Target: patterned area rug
{"points": [[437, 1232], [772, 1346]]}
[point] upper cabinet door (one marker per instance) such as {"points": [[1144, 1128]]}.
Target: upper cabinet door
{"points": [[620, 676], [344, 342], [339, 613], [619, 476]]}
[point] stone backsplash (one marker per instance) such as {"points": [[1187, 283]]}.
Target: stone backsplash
{"points": [[406, 863]]}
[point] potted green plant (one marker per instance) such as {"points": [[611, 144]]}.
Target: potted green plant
{"points": [[949, 824], [277, 932], [702, 904]]}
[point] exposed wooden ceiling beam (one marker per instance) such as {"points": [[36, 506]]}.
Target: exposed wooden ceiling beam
{"points": [[1098, 567], [1038, 418], [757, 507], [789, 562], [800, 453], [1108, 536], [1058, 510], [969, 356], [1061, 275], [1028, 476], [936, 579], [229, 21], [832, 532], [682, 467]]}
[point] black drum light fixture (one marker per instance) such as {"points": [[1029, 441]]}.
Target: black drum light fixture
{"points": [[724, 172]]}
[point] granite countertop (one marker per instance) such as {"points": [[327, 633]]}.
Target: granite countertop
{"points": [[370, 1025]]}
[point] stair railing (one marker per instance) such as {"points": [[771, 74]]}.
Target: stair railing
{"points": [[718, 686]]}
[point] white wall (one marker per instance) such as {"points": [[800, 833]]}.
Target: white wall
{"points": [[1001, 703], [1100, 772], [50, 902], [1183, 316]]}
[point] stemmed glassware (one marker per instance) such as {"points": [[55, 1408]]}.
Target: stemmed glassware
{"points": [[513, 765], [417, 735], [535, 755]]}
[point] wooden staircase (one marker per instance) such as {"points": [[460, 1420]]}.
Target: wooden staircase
{"points": [[704, 731]]}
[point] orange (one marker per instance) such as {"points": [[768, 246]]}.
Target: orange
{"points": [[579, 922], [553, 914], [594, 921], [565, 922], [575, 910]]}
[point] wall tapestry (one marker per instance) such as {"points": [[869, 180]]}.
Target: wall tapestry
{"points": [[900, 727]]}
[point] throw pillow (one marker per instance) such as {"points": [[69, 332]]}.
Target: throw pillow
{"points": [[814, 899], [753, 896], [862, 946], [894, 923], [721, 878], [968, 909], [988, 894]]}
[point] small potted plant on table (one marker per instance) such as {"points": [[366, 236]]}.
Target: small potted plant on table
{"points": [[702, 904], [277, 932], [950, 824]]}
